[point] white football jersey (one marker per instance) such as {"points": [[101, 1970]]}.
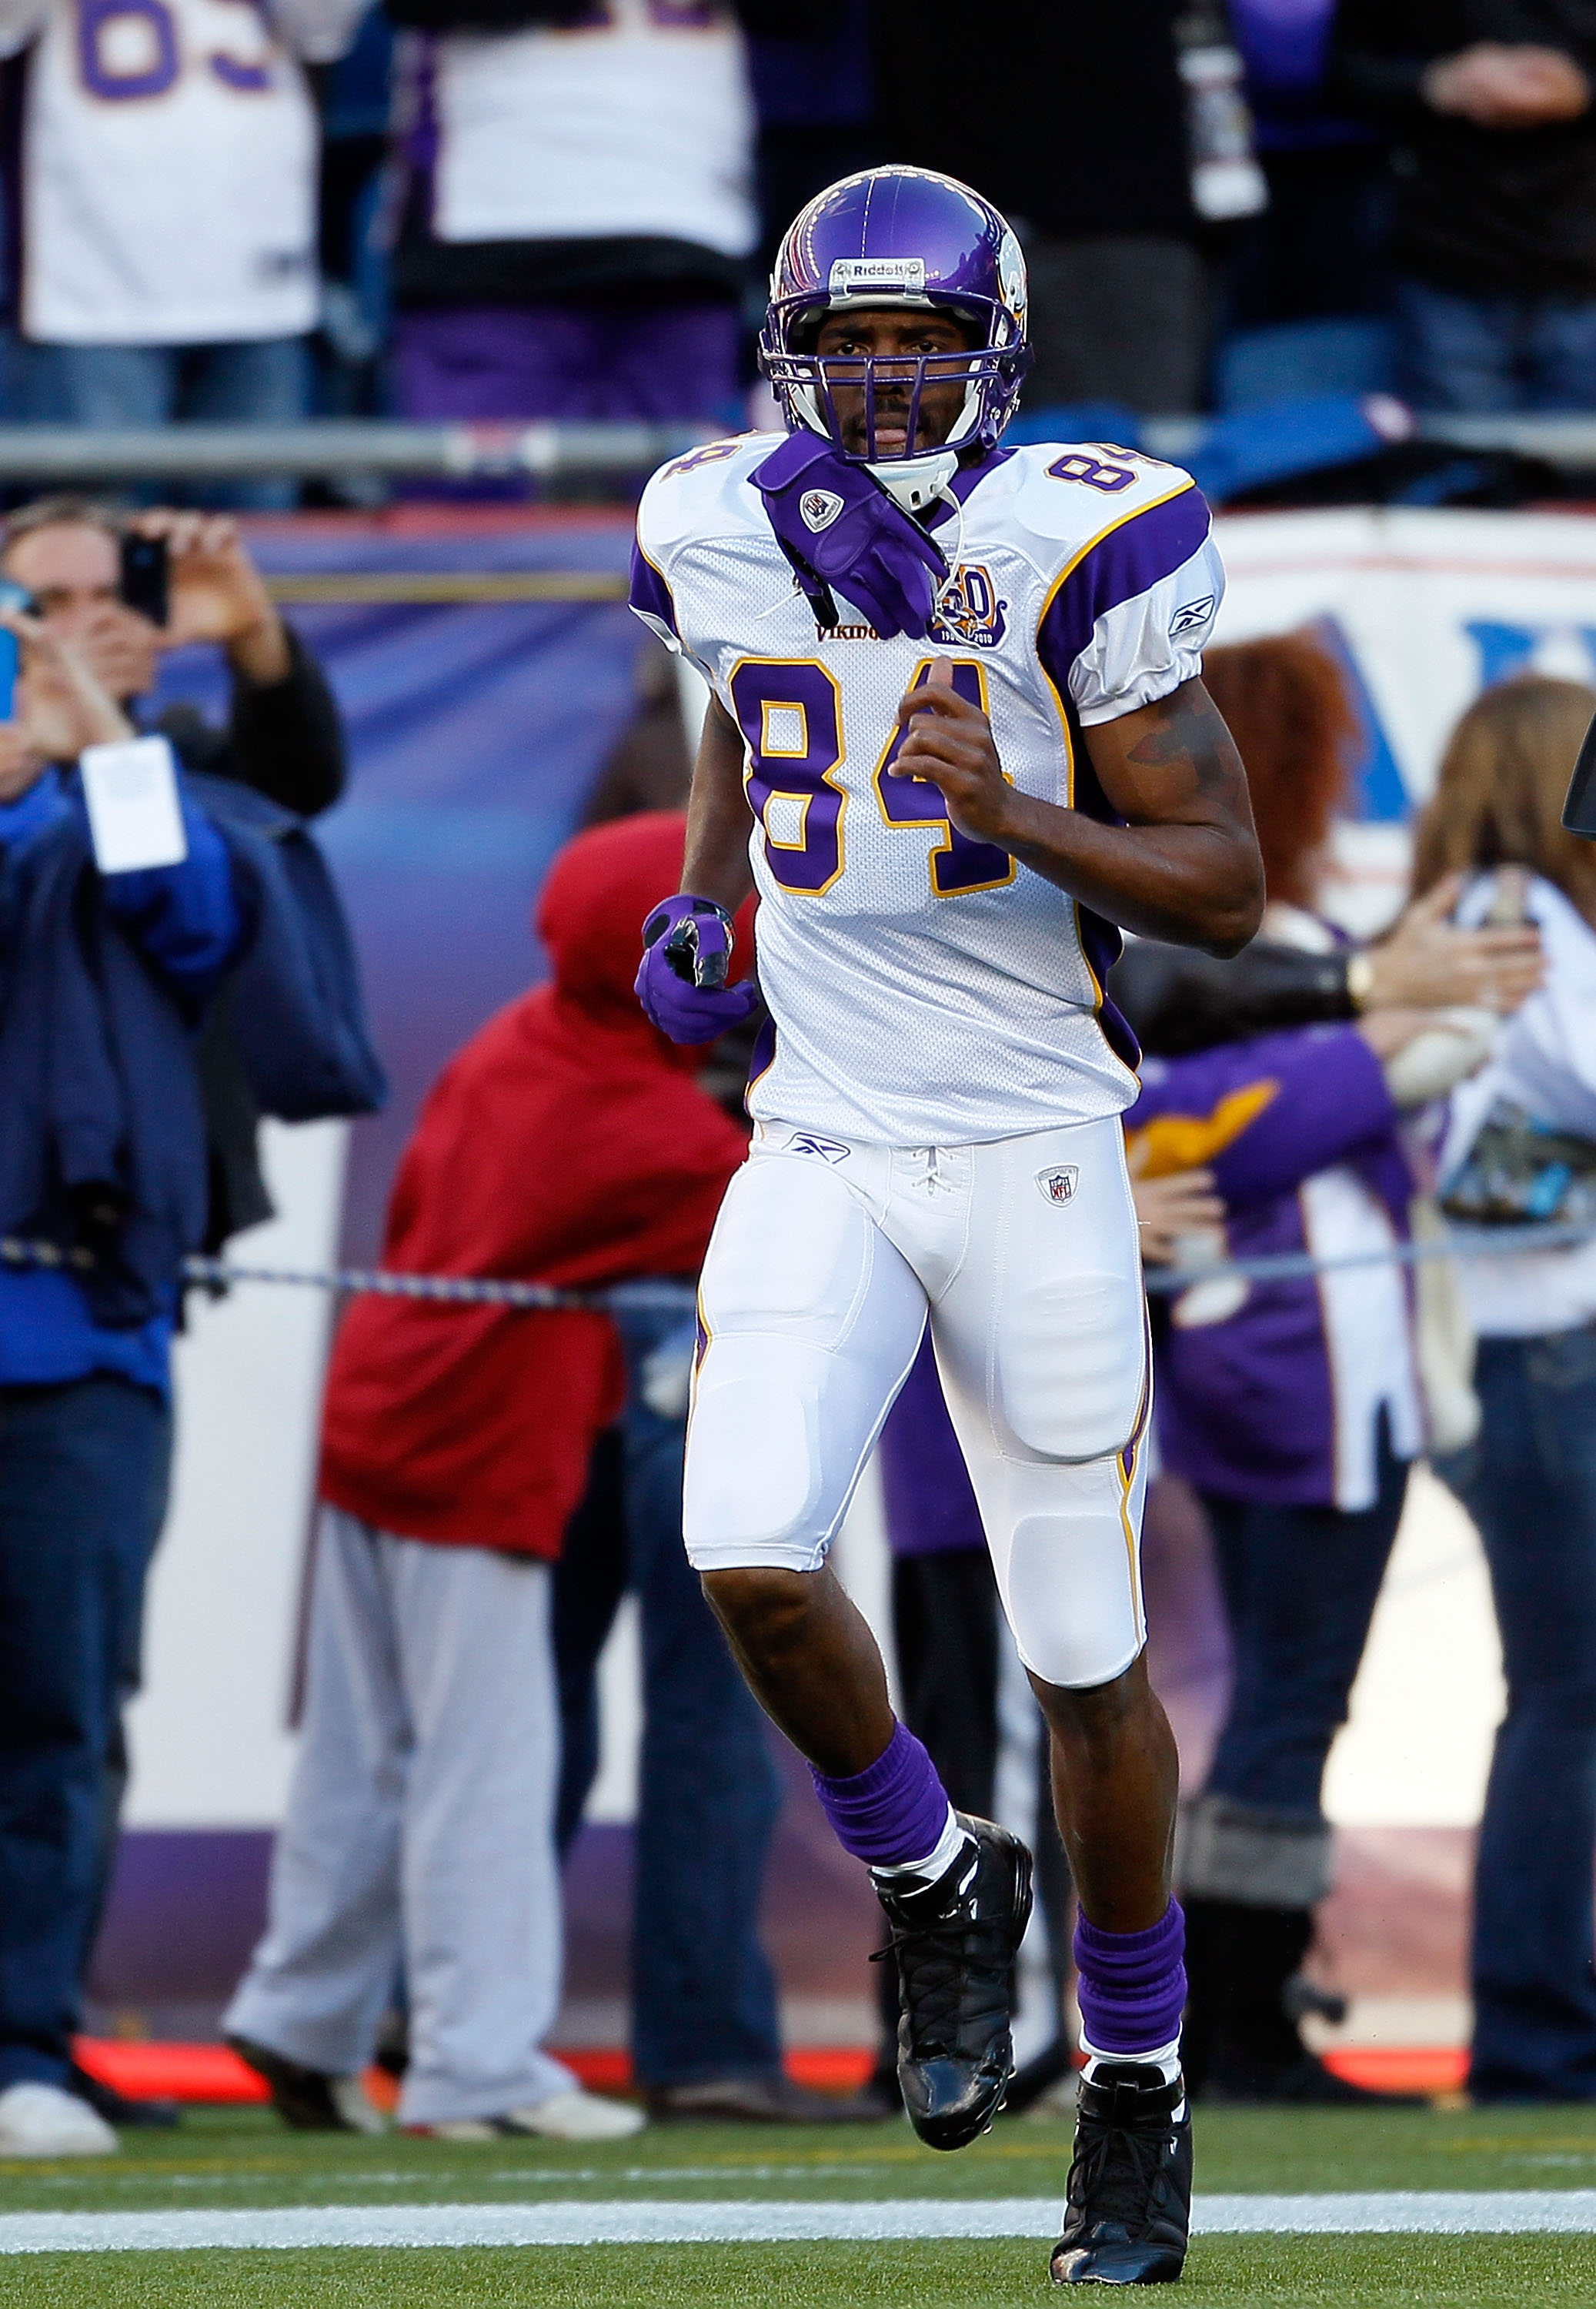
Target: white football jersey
{"points": [[637, 120], [926, 990], [169, 169]]}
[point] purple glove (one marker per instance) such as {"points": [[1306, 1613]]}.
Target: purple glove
{"points": [[681, 982], [837, 526]]}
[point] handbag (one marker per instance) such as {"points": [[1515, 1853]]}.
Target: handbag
{"points": [[1519, 1172]]}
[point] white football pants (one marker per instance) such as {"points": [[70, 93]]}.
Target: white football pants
{"points": [[826, 1259]]}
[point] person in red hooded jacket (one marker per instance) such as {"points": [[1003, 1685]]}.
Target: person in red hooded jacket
{"points": [[567, 1143]]}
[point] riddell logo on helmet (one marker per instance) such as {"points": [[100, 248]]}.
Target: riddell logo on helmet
{"points": [[852, 276], [819, 508]]}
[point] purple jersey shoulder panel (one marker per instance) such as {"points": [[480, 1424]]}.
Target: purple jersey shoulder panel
{"points": [[1127, 560], [650, 593]]}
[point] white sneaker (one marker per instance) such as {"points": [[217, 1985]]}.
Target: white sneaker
{"points": [[564, 2116], [354, 2105], [44, 2121], [578, 2116]]}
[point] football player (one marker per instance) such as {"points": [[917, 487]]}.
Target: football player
{"points": [[958, 735]]}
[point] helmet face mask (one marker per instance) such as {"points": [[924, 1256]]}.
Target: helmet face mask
{"points": [[909, 240]]}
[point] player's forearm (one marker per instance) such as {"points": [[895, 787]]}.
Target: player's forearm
{"points": [[1189, 885], [1186, 866], [715, 863]]}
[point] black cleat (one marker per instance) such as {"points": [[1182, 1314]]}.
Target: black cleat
{"points": [[955, 1943], [1128, 2210], [309, 2099], [118, 2108]]}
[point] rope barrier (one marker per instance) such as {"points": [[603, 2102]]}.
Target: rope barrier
{"points": [[446, 1289], [1286, 1267], [487, 1290]]}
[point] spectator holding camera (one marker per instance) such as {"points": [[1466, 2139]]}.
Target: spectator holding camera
{"points": [[76, 560], [283, 738], [72, 555], [105, 977]]}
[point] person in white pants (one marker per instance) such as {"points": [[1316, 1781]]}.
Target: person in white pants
{"points": [[421, 1829], [456, 1443]]}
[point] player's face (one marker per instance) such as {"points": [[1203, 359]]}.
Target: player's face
{"points": [[883, 334]]}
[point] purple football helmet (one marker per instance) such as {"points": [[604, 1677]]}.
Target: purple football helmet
{"points": [[899, 237]]}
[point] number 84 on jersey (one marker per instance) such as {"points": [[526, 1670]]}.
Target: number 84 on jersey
{"points": [[790, 711]]}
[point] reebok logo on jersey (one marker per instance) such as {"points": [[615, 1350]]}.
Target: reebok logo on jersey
{"points": [[830, 1150], [1190, 614], [1059, 1186], [856, 276], [820, 508]]}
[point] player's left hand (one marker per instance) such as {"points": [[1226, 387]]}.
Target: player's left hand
{"points": [[217, 592], [950, 742], [681, 980]]}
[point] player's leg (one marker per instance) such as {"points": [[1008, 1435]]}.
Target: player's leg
{"points": [[811, 1319], [1043, 1344]]}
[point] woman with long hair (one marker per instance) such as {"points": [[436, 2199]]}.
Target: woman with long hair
{"points": [[1520, 1143], [1294, 1406]]}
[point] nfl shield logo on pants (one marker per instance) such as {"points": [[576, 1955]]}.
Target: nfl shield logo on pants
{"points": [[1059, 1185]]}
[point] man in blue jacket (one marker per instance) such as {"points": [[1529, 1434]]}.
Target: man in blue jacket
{"points": [[104, 979]]}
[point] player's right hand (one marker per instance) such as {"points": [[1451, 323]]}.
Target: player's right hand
{"points": [[681, 982]]}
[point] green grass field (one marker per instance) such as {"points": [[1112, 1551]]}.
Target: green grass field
{"points": [[243, 2159]]}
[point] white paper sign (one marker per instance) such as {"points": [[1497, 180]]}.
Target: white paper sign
{"points": [[131, 790]]}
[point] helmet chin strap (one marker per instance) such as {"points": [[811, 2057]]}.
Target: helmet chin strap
{"points": [[916, 483]]}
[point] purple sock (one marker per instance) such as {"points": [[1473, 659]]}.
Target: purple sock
{"points": [[1131, 1985], [892, 1814]]}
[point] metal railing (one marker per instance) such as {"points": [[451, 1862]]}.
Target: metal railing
{"points": [[376, 448], [324, 448]]}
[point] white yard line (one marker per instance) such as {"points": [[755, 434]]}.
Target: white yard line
{"points": [[1430, 2212]]}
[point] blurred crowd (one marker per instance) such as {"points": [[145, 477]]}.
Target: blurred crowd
{"points": [[497, 209]]}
